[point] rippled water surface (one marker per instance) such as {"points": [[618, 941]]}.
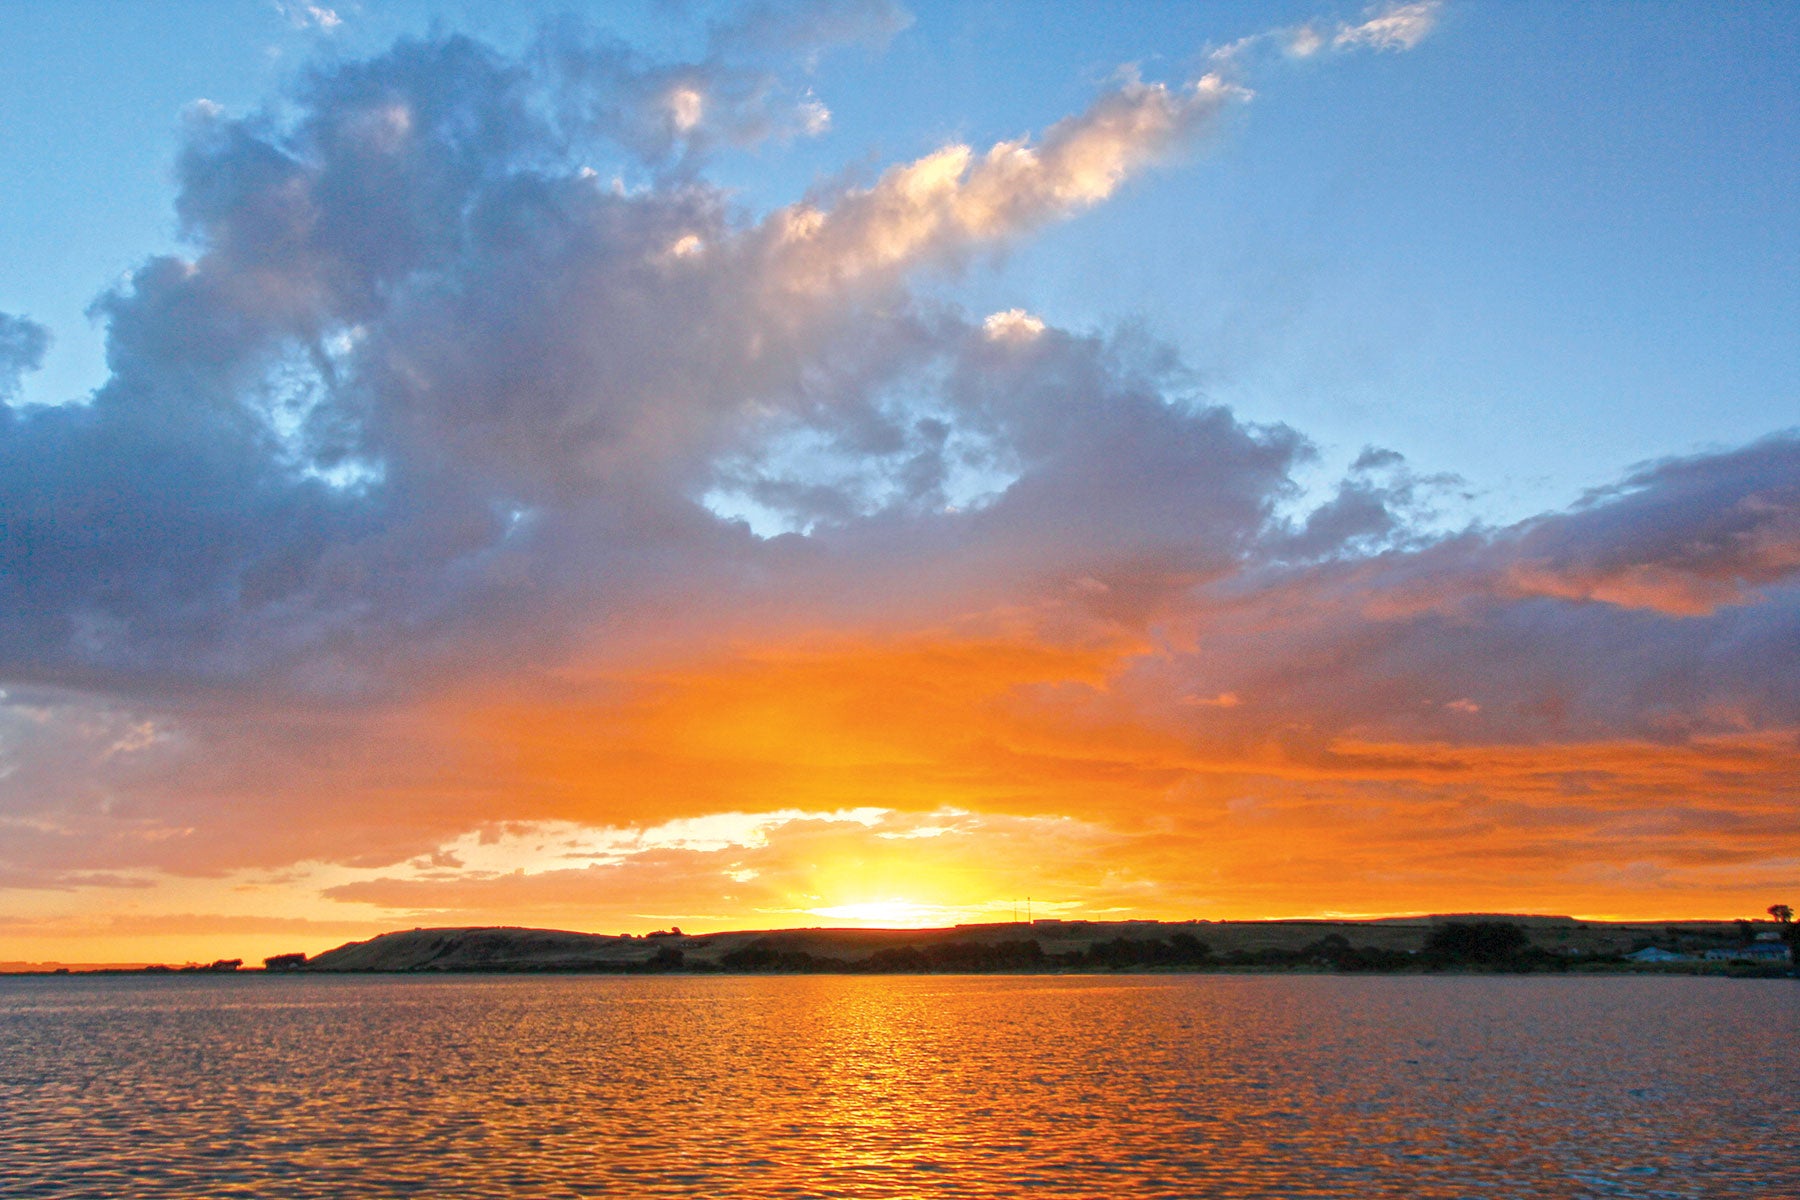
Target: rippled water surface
{"points": [[934, 1086]]}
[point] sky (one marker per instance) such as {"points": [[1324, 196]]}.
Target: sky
{"points": [[758, 465]]}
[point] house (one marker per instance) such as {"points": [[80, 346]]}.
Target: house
{"points": [[1759, 952], [1656, 954]]}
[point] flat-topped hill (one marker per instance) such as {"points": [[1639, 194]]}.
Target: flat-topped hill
{"points": [[474, 949]]}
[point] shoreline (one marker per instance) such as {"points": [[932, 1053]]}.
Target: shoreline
{"points": [[1506, 944], [1585, 971]]}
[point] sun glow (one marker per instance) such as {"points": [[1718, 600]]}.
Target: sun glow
{"points": [[898, 913]]}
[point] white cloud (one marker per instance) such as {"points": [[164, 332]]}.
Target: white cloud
{"points": [[309, 16], [536, 847], [1304, 41], [954, 199], [1394, 27], [686, 107], [1015, 325], [815, 118]]}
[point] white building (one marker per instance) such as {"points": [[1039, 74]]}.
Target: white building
{"points": [[1759, 952]]}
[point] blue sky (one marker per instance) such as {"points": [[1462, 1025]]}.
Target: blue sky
{"points": [[1553, 241]]}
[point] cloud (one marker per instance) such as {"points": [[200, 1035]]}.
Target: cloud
{"points": [[424, 376], [670, 116], [794, 862], [953, 199], [1683, 537], [1390, 27], [1380, 504], [137, 926], [1015, 324], [1384, 27], [301, 15], [23, 343], [1663, 609]]}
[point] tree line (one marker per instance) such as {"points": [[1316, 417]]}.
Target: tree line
{"points": [[1477, 945]]}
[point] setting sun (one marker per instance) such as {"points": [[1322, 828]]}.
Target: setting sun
{"points": [[900, 914]]}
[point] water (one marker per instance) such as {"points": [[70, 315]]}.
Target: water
{"points": [[1189, 1086]]}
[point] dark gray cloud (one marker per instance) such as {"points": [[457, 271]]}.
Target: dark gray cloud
{"points": [[1684, 536], [22, 346], [1665, 608], [1382, 504], [430, 391]]}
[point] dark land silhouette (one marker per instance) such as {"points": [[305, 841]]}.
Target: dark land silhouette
{"points": [[1506, 943], [1510, 943]]}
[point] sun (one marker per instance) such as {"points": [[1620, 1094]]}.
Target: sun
{"points": [[893, 913]]}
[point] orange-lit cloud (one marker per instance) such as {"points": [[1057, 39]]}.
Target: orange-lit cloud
{"points": [[809, 784]]}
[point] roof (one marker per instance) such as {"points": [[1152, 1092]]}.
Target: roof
{"points": [[1760, 951]]}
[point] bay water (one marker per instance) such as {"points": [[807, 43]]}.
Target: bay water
{"points": [[887, 1086]]}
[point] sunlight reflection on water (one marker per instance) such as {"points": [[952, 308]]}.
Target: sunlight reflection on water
{"points": [[1171, 1086]]}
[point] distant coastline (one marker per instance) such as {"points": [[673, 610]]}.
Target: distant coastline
{"points": [[1493, 943]]}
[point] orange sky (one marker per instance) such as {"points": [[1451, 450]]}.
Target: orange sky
{"points": [[919, 780]]}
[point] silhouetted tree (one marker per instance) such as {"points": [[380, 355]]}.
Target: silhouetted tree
{"points": [[1189, 949], [1328, 949], [762, 955], [1181, 950], [1790, 931], [1483, 943], [897, 960]]}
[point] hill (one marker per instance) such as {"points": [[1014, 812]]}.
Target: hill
{"points": [[1382, 944]]}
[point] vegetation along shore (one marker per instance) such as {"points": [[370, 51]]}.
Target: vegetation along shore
{"points": [[1463, 942]]}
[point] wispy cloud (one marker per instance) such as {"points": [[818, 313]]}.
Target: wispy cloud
{"points": [[23, 343], [1394, 26], [955, 199], [302, 15], [1390, 27]]}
